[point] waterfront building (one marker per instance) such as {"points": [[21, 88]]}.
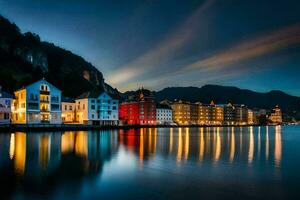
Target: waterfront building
{"points": [[5, 107], [97, 108], [181, 112], [276, 115], [229, 118], [210, 114], [219, 115], [139, 109], [129, 112], [163, 114], [39, 102], [68, 110], [250, 117], [203, 114], [240, 114], [193, 114], [147, 107]]}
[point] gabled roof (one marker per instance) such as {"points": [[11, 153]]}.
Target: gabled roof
{"points": [[41, 80]]}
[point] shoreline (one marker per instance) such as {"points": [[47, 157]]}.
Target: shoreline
{"points": [[80, 127]]}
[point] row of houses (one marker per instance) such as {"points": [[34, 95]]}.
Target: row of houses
{"points": [[41, 102]]}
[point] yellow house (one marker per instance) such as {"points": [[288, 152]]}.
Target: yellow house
{"points": [[181, 112], [39, 102]]}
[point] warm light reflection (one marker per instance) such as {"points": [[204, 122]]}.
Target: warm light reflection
{"points": [[12, 146], [267, 143], [81, 144], [179, 151], [232, 145], [141, 152], [241, 140], [186, 143], [251, 146], [171, 140], [278, 146], [44, 151], [217, 146], [20, 153], [67, 142], [155, 138], [258, 143], [201, 144]]}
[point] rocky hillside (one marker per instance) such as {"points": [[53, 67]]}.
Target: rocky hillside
{"points": [[24, 58]]}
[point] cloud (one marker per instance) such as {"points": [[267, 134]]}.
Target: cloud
{"points": [[257, 47], [164, 51]]}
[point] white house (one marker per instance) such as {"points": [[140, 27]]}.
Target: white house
{"points": [[37, 103], [68, 110], [97, 108], [5, 107], [163, 114]]}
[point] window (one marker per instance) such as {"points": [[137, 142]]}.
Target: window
{"points": [[83, 106], [70, 108], [92, 116], [93, 100], [66, 107], [93, 107]]}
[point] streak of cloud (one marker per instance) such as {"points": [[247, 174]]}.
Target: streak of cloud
{"points": [[164, 51], [257, 47]]}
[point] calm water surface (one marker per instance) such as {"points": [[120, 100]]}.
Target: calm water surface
{"points": [[156, 163]]}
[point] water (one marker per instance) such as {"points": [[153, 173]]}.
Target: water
{"points": [[162, 163]]}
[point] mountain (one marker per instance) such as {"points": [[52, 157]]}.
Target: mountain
{"points": [[24, 58], [223, 94]]}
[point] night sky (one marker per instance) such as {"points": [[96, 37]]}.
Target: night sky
{"points": [[252, 44]]}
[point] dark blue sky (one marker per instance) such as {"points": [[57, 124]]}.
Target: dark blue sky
{"points": [[253, 44]]}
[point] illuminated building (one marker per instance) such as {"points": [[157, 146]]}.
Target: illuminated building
{"points": [[203, 114], [181, 112], [210, 114], [39, 102], [129, 112], [251, 117], [241, 114], [97, 108], [5, 107], [229, 118], [139, 109], [193, 114], [276, 115], [163, 114], [68, 110]]}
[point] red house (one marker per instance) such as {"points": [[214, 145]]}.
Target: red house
{"points": [[129, 112], [139, 109]]}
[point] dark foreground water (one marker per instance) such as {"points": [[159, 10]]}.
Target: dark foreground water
{"points": [[162, 163]]}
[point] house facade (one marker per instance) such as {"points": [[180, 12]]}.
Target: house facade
{"points": [[5, 107], [68, 110], [164, 114], [181, 112], [37, 103], [97, 108]]}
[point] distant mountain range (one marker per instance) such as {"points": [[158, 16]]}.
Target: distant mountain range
{"points": [[223, 95], [24, 58]]}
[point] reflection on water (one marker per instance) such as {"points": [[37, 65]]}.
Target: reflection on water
{"points": [[58, 157]]}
